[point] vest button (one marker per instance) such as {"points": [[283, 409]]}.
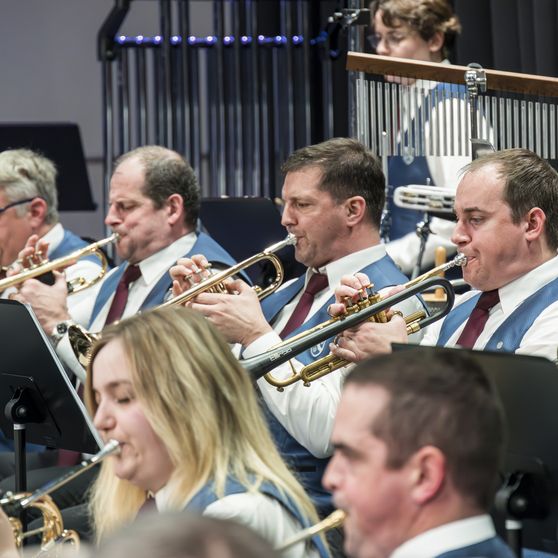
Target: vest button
{"points": [[500, 344]]}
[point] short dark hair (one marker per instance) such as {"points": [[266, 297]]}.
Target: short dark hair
{"points": [[167, 173], [530, 181], [348, 169], [444, 399], [427, 17]]}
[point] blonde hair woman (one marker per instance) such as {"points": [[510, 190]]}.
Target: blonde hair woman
{"points": [[166, 386]]}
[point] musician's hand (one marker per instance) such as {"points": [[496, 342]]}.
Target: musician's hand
{"points": [[33, 253], [7, 542], [48, 302], [187, 272], [238, 317], [369, 339], [348, 292]]}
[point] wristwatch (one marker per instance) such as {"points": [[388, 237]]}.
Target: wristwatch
{"points": [[60, 329]]}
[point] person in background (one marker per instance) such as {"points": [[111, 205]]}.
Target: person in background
{"points": [[422, 30], [29, 208]]}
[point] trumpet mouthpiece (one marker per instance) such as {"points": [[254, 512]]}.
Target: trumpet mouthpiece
{"points": [[290, 240], [460, 260]]}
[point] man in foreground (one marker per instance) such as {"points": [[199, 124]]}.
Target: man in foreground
{"points": [[418, 441]]}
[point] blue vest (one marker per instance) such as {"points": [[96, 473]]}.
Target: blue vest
{"points": [[309, 468], [206, 496], [204, 245], [408, 169], [507, 338], [490, 548]]}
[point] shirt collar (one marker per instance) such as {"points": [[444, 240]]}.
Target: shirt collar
{"points": [[165, 258], [451, 536], [335, 270], [54, 237], [514, 293]]}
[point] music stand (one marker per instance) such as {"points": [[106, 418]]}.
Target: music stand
{"points": [[528, 389], [245, 227], [38, 403]]}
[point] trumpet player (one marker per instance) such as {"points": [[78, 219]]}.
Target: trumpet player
{"points": [[29, 210], [333, 196], [418, 441], [508, 229]]}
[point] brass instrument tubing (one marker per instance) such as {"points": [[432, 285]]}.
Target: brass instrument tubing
{"points": [[259, 365]]}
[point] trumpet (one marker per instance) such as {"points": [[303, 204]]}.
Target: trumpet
{"points": [[82, 340], [52, 531], [75, 285], [260, 365], [333, 520], [216, 282]]}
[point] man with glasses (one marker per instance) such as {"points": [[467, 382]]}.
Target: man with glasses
{"points": [[422, 30], [29, 207]]}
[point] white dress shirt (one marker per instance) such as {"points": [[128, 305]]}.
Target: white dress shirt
{"points": [[540, 339], [445, 538], [152, 269], [307, 413], [264, 515]]}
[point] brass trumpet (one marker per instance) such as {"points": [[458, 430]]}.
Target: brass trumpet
{"points": [[260, 365], [52, 531], [82, 340], [333, 520], [76, 285], [216, 282]]}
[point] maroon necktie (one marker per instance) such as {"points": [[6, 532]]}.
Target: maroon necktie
{"points": [[477, 319], [317, 283], [120, 299]]}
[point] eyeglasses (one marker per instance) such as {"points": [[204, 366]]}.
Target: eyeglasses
{"points": [[13, 204], [392, 40]]}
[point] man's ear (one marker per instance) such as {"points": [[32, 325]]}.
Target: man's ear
{"points": [[355, 207], [534, 223], [427, 474], [37, 211], [175, 204]]}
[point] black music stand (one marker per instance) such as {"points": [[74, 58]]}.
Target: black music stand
{"points": [[526, 506], [61, 143], [38, 402], [246, 226]]}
